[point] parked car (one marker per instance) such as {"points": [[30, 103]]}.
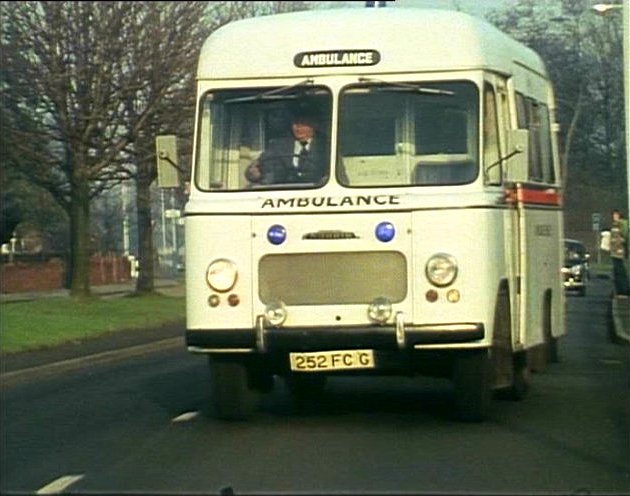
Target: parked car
{"points": [[576, 266]]}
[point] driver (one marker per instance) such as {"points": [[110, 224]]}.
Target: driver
{"points": [[299, 157]]}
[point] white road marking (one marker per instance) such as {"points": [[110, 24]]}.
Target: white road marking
{"points": [[60, 485], [185, 417], [610, 361]]}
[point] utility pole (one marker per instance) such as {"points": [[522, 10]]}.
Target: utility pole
{"points": [[125, 226]]}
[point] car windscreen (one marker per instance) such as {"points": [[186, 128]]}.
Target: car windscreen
{"points": [[574, 252]]}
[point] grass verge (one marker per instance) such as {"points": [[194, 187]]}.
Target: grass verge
{"points": [[48, 322]]}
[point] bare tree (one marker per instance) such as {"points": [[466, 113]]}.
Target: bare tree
{"points": [[85, 89], [168, 46], [583, 54], [166, 42], [64, 78]]}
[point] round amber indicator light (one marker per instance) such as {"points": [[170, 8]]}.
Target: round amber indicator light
{"points": [[453, 296]]}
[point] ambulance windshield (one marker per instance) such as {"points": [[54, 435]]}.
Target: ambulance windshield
{"points": [[264, 138], [406, 134]]}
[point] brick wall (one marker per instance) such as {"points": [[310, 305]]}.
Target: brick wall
{"points": [[35, 276], [45, 276]]}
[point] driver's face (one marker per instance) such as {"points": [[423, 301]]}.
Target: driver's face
{"points": [[302, 130]]}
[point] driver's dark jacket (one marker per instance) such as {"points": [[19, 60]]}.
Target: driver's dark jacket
{"points": [[277, 162]]}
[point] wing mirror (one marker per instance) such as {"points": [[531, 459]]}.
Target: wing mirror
{"points": [[168, 170], [517, 170]]}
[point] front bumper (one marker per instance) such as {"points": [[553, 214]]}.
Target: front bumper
{"points": [[285, 339]]}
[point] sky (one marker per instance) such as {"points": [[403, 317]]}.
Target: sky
{"points": [[475, 7], [471, 6]]}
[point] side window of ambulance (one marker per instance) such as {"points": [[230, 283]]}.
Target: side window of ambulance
{"points": [[534, 116], [521, 112], [533, 124], [546, 156], [491, 153]]}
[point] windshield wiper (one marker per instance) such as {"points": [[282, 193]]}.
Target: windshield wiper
{"points": [[275, 94], [396, 86]]}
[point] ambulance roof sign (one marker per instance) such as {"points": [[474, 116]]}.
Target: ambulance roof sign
{"points": [[337, 58]]}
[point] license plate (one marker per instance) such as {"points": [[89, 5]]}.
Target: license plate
{"points": [[322, 361]]}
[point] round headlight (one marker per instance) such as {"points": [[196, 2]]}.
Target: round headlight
{"points": [[221, 275], [441, 269]]}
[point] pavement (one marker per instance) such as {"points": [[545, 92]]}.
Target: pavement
{"points": [[74, 355], [618, 315], [620, 310]]}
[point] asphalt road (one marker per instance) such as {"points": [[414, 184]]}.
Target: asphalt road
{"points": [[133, 424]]}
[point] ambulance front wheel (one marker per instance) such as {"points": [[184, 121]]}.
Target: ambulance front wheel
{"points": [[471, 378], [231, 397]]}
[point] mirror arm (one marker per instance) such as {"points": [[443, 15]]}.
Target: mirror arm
{"points": [[164, 156]]}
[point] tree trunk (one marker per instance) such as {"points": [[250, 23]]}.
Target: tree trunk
{"points": [[568, 142], [80, 238], [144, 283]]}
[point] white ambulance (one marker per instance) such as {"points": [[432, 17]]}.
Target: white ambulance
{"points": [[427, 241]]}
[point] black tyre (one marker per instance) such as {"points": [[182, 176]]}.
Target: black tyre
{"points": [[510, 370], [553, 356], [540, 356], [231, 397], [520, 379], [259, 376], [471, 378]]}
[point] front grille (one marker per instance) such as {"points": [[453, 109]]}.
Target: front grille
{"points": [[332, 278]]}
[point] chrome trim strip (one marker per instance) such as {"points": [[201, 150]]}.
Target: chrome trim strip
{"points": [[337, 212], [444, 327], [450, 346], [197, 349]]}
